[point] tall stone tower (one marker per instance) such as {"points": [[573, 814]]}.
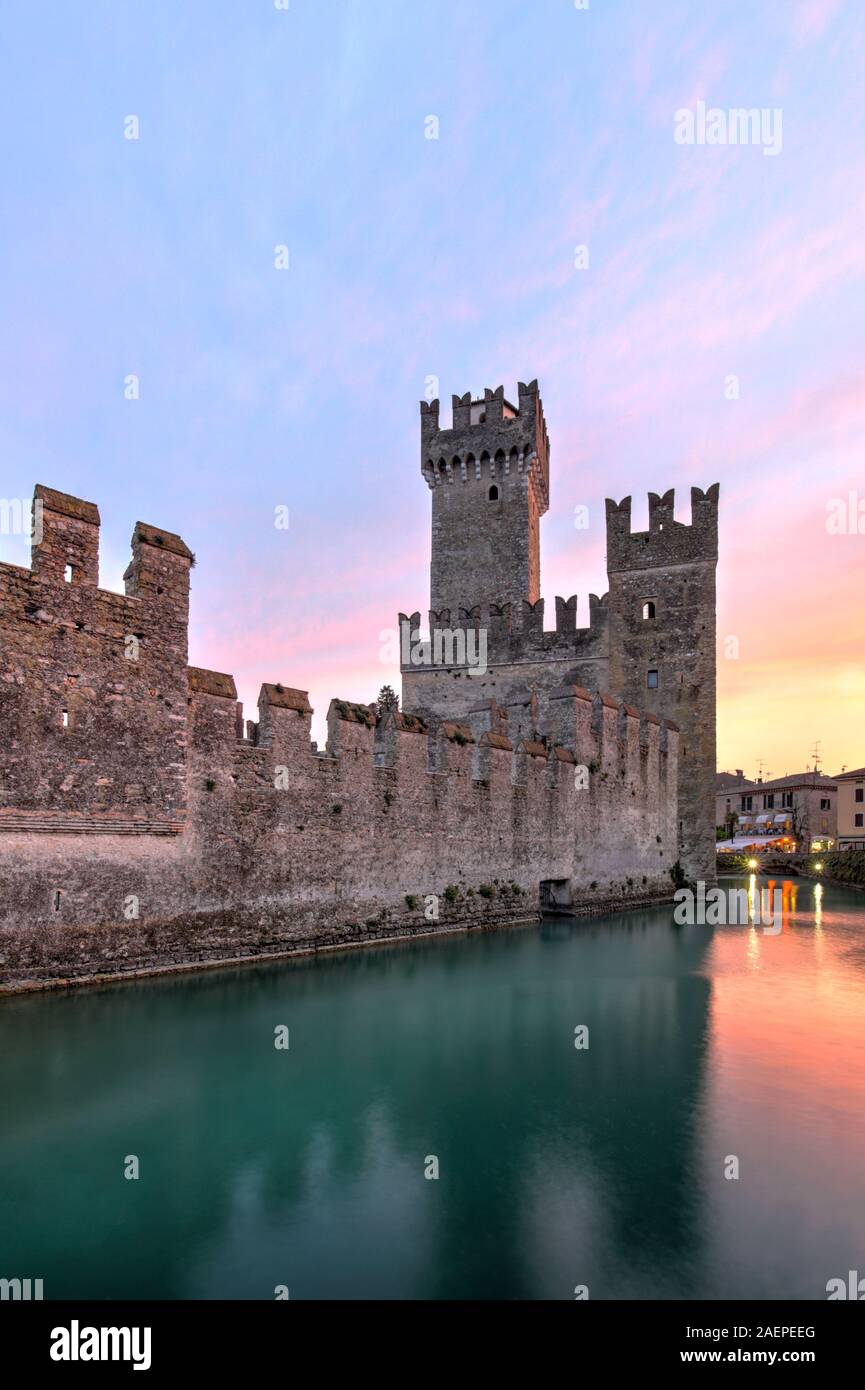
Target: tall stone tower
{"points": [[489, 477], [662, 645], [649, 642]]}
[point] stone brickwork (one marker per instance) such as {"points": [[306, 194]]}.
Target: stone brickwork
{"points": [[662, 620], [489, 478], [145, 825], [651, 639], [93, 684], [285, 847]]}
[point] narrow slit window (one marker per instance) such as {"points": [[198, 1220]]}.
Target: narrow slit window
{"points": [[67, 574], [648, 610], [652, 680], [57, 900], [65, 718], [494, 493]]}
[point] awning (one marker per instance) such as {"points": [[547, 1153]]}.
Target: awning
{"points": [[764, 818], [783, 817]]}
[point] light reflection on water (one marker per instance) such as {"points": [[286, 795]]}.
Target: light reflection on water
{"points": [[558, 1166]]}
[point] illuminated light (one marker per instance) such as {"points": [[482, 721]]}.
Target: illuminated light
{"points": [[753, 863], [819, 868], [752, 899]]}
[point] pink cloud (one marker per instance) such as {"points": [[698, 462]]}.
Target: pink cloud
{"points": [[811, 19]]}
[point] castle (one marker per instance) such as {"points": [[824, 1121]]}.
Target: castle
{"points": [[144, 825], [650, 640]]}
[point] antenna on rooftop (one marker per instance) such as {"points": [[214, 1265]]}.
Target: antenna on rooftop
{"points": [[815, 754]]}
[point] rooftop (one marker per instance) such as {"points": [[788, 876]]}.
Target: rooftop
{"points": [[795, 779]]}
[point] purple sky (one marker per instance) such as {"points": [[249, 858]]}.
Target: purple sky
{"points": [[451, 258]]}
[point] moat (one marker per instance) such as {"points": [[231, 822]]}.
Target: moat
{"points": [[305, 1167]]}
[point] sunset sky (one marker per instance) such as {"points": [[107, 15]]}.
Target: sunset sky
{"points": [[454, 258]]}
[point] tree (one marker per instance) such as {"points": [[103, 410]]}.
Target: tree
{"points": [[387, 700]]}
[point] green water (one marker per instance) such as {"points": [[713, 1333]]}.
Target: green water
{"points": [[558, 1167]]}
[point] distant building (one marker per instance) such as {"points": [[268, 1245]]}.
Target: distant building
{"points": [[851, 809], [803, 806], [727, 788]]}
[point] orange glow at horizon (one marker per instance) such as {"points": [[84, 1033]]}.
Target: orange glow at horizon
{"points": [[791, 593]]}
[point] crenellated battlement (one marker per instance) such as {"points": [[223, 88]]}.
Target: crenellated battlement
{"points": [[662, 642], [570, 717], [667, 541], [526, 759], [65, 553], [93, 684], [490, 442], [489, 478], [571, 727], [403, 825], [650, 639], [507, 633]]}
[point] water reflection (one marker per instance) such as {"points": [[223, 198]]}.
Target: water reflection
{"points": [[558, 1166]]}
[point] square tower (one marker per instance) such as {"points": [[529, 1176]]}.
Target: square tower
{"points": [[662, 645], [489, 478]]}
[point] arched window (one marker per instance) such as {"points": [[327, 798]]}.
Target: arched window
{"points": [[494, 493], [648, 610]]}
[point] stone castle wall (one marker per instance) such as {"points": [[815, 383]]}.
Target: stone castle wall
{"points": [[672, 566], [155, 829], [665, 663], [92, 683], [521, 655]]}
